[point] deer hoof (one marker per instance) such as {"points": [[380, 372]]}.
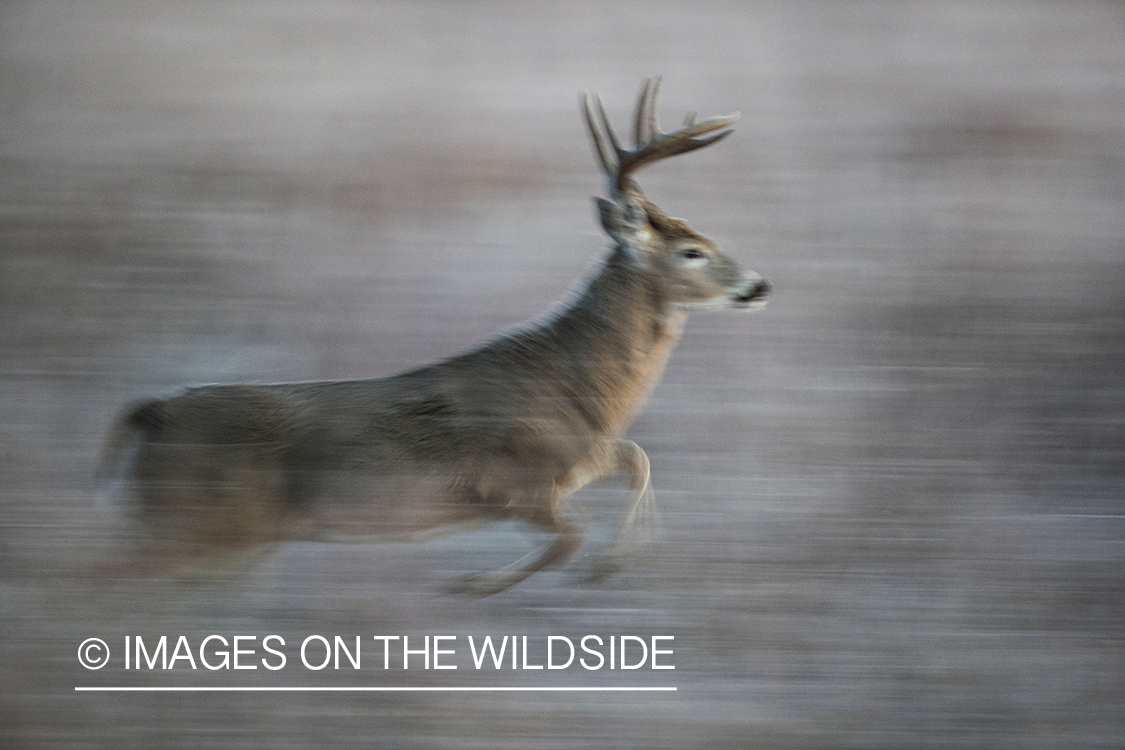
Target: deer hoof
{"points": [[603, 568], [477, 584]]}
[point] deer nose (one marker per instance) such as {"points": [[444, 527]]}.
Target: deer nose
{"points": [[757, 292]]}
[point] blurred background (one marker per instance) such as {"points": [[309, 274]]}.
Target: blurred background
{"points": [[891, 503]]}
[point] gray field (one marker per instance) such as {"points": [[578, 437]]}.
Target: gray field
{"points": [[891, 503]]}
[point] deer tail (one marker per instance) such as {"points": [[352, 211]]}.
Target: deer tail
{"points": [[122, 444]]}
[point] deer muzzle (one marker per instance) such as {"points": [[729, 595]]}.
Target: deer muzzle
{"points": [[753, 294]]}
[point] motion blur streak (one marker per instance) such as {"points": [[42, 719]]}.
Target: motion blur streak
{"points": [[892, 505]]}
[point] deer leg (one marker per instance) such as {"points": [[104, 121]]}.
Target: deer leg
{"points": [[638, 519], [568, 538]]}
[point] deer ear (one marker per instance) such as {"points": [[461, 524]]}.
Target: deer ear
{"points": [[624, 220], [610, 216]]}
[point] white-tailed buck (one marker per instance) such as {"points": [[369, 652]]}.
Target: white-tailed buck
{"points": [[508, 430]]}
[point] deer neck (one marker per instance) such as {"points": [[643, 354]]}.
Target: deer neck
{"points": [[616, 338]]}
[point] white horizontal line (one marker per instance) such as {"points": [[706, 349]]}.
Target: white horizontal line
{"points": [[363, 689]]}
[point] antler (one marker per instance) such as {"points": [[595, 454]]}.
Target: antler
{"points": [[650, 143]]}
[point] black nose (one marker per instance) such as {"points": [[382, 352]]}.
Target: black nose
{"points": [[759, 291]]}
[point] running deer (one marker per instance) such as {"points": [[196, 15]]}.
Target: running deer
{"points": [[506, 431]]}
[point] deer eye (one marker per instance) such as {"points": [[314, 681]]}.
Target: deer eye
{"points": [[692, 253]]}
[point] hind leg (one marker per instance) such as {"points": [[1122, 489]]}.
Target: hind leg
{"points": [[199, 511], [159, 557]]}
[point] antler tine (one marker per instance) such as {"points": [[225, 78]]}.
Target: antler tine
{"points": [[599, 144], [609, 128], [639, 116], [663, 145], [653, 118], [694, 143], [709, 125], [651, 144]]}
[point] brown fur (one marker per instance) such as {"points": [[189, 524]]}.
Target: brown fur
{"points": [[508, 430]]}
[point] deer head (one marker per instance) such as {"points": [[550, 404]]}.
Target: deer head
{"points": [[695, 273]]}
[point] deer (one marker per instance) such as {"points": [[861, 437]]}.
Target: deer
{"points": [[508, 430]]}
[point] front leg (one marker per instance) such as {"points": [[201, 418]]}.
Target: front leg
{"points": [[638, 519], [545, 511], [568, 538]]}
